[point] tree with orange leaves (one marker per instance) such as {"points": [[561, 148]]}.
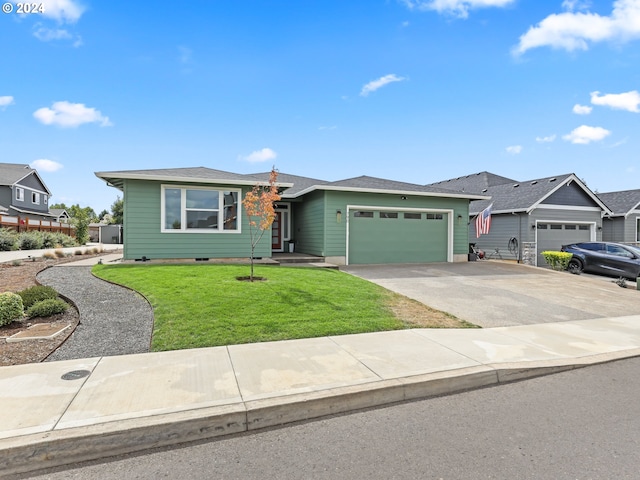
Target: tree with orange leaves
{"points": [[259, 205]]}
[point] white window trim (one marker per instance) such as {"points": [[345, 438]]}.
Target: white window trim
{"points": [[183, 189], [20, 194], [35, 198]]}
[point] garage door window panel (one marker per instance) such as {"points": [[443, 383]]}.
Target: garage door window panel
{"points": [[388, 214], [412, 216]]}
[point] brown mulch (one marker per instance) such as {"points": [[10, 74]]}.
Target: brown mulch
{"points": [[14, 277]]}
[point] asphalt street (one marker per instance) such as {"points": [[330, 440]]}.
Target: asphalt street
{"points": [[581, 424]]}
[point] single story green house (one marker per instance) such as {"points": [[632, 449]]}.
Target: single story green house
{"points": [[196, 213]]}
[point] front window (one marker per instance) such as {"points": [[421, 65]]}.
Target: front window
{"points": [[20, 194], [199, 209], [35, 198]]}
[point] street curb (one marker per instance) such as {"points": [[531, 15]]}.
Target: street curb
{"points": [[30, 453]]}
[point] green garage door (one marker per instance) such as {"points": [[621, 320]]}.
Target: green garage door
{"points": [[397, 237]]}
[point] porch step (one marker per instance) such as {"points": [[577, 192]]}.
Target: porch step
{"points": [[296, 258], [301, 260]]}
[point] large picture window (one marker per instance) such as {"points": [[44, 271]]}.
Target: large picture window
{"points": [[194, 209]]}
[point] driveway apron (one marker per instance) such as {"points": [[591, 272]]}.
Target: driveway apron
{"points": [[498, 294], [113, 320]]}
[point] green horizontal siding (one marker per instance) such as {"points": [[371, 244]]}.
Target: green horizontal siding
{"points": [[143, 236]]}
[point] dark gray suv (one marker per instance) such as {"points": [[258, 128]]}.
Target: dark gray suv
{"points": [[606, 258]]}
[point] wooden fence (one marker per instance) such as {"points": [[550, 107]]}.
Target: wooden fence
{"points": [[26, 224]]}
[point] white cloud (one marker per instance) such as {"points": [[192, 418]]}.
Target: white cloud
{"points": [[329, 127], [582, 109], [572, 30], [68, 115], [6, 101], [514, 149], [618, 101], [585, 134], [258, 156], [48, 34], [458, 8], [64, 11], [547, 139], [46, 165], [379, 83]]}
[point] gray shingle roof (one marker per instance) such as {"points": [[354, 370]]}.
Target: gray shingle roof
{"points": [[10, 173], [294, 184], [621, 202], [299, 183], [375, 183]]}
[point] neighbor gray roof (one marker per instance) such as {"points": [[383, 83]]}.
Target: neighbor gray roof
{"points": [[474, 183], [508, 195], [623, 202], [10, 173]]}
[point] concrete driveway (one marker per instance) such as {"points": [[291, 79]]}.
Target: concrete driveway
{"points": [[498, 294]]}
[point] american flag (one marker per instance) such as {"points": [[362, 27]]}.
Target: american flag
{"points": [[483, 221]]}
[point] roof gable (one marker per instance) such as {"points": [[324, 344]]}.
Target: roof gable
{"points": [[622, 202]]}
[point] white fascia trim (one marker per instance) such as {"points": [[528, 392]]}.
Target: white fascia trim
{"points": [[497, 212], [42, 192], [633, 211], [389, 192], [48, 192], [35, 212], [568, 208], [190, 180]]}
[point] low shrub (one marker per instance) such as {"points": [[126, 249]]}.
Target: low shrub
{"points": [[11, 308], [46, 308], [557, 260], [78, 252], [49, 255], [8, 240], [30, 241], [36, 294], [59, 253]]}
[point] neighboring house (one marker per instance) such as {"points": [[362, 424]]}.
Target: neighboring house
{"points": [[623, 225], [60, 215], [529, 217], [23, 193], [197, 213]]}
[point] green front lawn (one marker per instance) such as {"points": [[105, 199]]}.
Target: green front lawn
{"points": [[205, 305]]}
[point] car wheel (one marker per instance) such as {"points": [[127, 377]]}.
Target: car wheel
{"points": [[575, 266]]}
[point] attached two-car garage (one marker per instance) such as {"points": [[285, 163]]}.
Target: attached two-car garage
{"points": [[552, 235], [378, 235]]}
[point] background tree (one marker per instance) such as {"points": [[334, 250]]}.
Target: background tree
{"points": [[117, 210], [80, 220], [103, 214], [259, 205]]}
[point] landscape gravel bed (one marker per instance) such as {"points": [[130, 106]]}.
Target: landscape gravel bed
{"points": [[113, 320]]}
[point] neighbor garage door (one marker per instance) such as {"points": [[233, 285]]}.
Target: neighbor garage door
{"points": [[383, 236], [551, 236]]}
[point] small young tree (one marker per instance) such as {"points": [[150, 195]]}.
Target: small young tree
{"points": [[259, 205]]}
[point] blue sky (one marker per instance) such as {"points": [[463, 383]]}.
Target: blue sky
{"points": [[410, 90]]}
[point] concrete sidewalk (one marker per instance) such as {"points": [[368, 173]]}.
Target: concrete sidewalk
{"points": [[63, 412]]}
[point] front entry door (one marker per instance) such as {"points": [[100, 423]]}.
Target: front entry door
{"points": [[276, 233]]}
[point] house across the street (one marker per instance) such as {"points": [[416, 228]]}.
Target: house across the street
{"points": [[196, 213]]}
